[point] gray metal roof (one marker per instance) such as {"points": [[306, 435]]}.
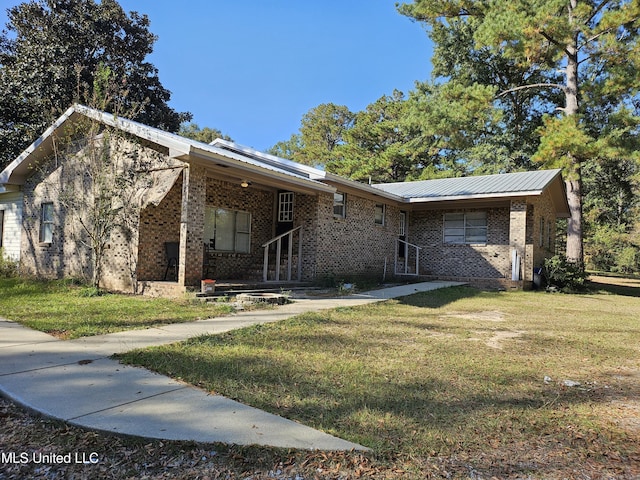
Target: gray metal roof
{"points": [[506, 184], [20, 168]]}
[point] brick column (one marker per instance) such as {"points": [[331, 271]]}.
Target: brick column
{"points": [[518, 232], [194, 192]]}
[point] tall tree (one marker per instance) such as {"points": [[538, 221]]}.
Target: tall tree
{"points": [[430, 133], [321, 133], [50, 52], [376, 146], [594, 43], [513, 141]]}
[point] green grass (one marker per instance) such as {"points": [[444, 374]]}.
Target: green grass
{"points": [[455, 373], [68, 310]]}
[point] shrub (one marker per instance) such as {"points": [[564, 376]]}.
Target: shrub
{"points": [[564, 275], [8, 267], [612, 249]]}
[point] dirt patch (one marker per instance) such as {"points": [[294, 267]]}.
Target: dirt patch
{"points": [[498, 337], [488, 316]]}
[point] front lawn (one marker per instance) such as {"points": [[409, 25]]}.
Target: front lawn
{"points": [[455, 382], [68, 310]]}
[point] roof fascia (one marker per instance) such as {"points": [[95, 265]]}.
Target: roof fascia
{"points": [[174, 143], [17, 171], [362, 187], [229, 159], [452, 198]]}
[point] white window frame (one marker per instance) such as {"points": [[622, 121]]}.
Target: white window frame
{"points": [[285, 207], [403, 224], [462, 228], [46, 222], [239, 231], [380, 214], [339, 205]]}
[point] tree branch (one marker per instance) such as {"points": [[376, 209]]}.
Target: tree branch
{"points": [[597, 10], [550, 39], [533, 85], [604, 32]]}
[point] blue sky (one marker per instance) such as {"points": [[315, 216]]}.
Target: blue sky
{"points": [[253, 68]]}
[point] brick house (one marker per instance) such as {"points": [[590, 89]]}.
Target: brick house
{"points": [[225, 211]]}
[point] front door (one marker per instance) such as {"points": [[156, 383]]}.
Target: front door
{"points": [[284, 221]]}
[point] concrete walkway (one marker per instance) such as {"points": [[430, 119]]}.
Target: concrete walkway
{"points": [[77, 382]]}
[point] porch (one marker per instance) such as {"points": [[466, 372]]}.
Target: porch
{"points": [[210, 226]]}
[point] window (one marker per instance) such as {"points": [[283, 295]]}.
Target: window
{"points": [[379, 214], [339, 205], [464, 228], [403, 224], [541, 240], [228, 230], [285, 207], [46, 223]]}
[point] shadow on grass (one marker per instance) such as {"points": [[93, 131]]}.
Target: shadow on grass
{"points": [[439, 298], [628, 290], [389, 414]]}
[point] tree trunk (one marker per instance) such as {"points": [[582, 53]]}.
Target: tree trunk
{"points": [[573, 182], [574, 223]]}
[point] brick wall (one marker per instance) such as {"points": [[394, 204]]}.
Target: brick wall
{"points": [[158, 225], [426, 229], [66, 183], [543, 210], [260, 204], [355, 245]]}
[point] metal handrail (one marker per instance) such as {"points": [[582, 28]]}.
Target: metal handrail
{"points": [[406, 264], [278, 241]]}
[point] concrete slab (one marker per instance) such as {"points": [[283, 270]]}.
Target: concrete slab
{"points": [[189, 414], [404, 290], [15, 334], [74, 390], [28, 357]]}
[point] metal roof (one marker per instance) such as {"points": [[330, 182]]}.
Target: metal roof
{"points": [[500, 185], [20, 168]]}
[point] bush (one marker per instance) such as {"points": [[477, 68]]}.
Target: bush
{"points": [[612, 249], [628, 260], [8, 267], [564, 275]]}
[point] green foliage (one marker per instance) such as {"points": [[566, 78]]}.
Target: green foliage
{"points": [[71, 309], [564, 144], [89, 292], [206, 135], [522, 46], [613, 249], [50, 55], [8, 267], [321, 135], [564, 275]]}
